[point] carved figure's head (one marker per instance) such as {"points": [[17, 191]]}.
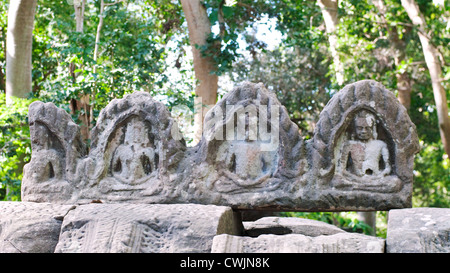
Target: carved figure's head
{"points": [[136, 133], [39, 136], [365, 126]]}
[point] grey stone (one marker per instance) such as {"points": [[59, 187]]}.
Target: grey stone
{"points": [[352, 165], [298, 243], [418, 230], [251, 155], [134, 156], [143, 228], [27, 227], [288, 225], [57, 147]]}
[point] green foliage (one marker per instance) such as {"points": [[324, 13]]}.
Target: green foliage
{"points": [[296, 70], [296, 75], [15, 146], [130, 58], [301, 22], [432, 177], [132, 53]]}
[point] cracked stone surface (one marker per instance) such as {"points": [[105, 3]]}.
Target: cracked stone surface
{"points": [[298, 243], [143, 228], [418, 230], [27, 227]]}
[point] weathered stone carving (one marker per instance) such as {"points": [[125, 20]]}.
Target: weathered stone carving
{"points": [[57, 147], [363, 161], [251, 155], [364, 145], [298, 243], [143, 228], [362, 154], [27, 227], [418, 230], [133, 152]]}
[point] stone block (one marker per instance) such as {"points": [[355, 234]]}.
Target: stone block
{"points": [[289, 225], [143, 228], [27, 227], [298, 243], [418, 230]]}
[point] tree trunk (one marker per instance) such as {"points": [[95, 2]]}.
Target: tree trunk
{"points": [[404, 87], [19, 41], [206, 90], [101, 16], [81, 104], [79, 14], [431, 58], [369, 218], [99, 30], [3, 31], [330, 15]]}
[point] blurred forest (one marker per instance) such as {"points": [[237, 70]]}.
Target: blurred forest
{"points": [[84, 53]]}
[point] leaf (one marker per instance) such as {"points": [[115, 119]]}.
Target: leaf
{"points": [[228, 12], [213, 17]]}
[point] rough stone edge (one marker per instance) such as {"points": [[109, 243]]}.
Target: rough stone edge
{"points": [[392, 242], [225, 243], [59, 215], [229, 222]]}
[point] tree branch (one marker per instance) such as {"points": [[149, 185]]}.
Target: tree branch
{"points": [[441, 56], [249, 8], [221, 19], [112, 4]]}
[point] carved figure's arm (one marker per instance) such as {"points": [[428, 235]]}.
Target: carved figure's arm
{"points": [[385, 155], [342, 160]]}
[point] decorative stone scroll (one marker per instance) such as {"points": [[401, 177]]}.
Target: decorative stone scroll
{"points": [[251, 155]]}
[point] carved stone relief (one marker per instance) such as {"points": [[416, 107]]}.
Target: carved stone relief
{"points": [[136, 158], [133, 153], [251, 155], [363, 160], [249, 146], [143, 228], [364, 144], [56, 149]]}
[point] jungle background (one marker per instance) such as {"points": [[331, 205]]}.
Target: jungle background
{"points": [[84, 53]]}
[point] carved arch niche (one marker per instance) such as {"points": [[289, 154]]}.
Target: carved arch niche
{"points": [[50, 151], [133, 149], [250, 143], [377, 161], [132, 153]]}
